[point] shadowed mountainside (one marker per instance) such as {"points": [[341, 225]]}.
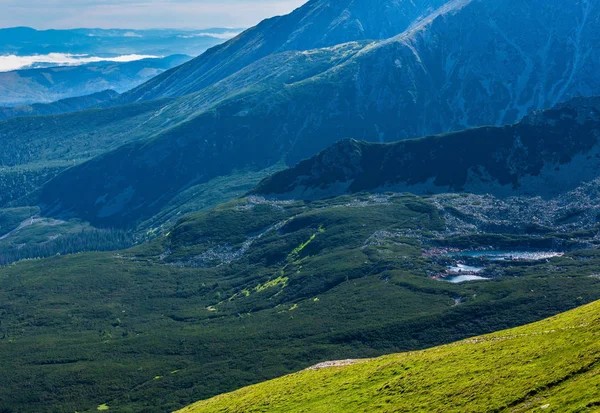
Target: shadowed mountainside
{"points": [[547, 153]]}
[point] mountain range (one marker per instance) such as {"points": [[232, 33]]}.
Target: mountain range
{"points": [[547, 153], [67, 105], [355, 179], [288, 106], [318, 24]]}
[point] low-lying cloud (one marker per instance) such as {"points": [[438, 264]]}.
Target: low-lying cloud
{"points": [[12, 62], [223, 36]]}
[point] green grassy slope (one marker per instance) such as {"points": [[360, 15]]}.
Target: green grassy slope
{"points": [[249, 291], [552, 365]]}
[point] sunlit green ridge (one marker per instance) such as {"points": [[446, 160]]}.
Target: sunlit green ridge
{"points": [[552, 365]]}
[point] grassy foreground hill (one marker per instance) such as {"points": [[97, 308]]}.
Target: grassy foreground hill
{"points": [[552, 365]]}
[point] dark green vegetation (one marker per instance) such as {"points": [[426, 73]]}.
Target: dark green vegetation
{"points": [[552, 365], [62, 106], [68, 239], [249, 291], [24, 234], [547, 153]]}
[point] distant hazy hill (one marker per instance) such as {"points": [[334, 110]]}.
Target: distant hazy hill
{"points": [[62, 106], [24, 41], [552, 365], [46, 85]]}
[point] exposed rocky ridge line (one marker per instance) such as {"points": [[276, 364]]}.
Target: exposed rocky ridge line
{"points": [[546, 154]]}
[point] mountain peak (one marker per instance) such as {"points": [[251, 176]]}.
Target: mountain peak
{"points": [[319, 23]]}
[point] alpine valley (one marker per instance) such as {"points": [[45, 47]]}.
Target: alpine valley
{"points": [[333, 202]]}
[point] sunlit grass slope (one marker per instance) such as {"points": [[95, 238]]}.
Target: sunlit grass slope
{"points": [[549, 366]]}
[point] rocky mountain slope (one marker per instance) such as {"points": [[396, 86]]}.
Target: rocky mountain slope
{"points": [[319, 23], [153, 155], [552, 365], [547, 153]]}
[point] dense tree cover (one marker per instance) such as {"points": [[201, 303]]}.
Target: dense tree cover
{"points": [[85, 240]]}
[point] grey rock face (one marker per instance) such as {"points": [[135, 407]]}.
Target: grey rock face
{"points": [[474, 63]]}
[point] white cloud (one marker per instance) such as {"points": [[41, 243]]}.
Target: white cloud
{"points": [[223, 36], [12, 62]]}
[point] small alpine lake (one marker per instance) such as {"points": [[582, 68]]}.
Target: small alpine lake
{"points": [[471, 265], [501, 255]]}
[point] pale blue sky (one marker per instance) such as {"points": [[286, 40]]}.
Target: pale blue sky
{"points": [[140, 14]]}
